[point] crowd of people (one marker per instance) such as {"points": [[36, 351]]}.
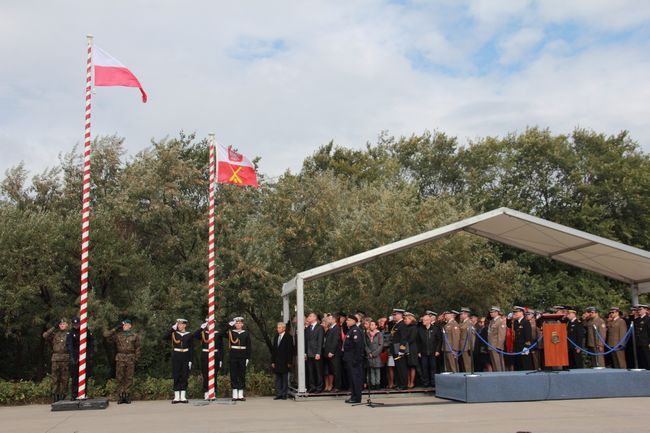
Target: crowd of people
{"points": [[403, 351], [348, 352]]}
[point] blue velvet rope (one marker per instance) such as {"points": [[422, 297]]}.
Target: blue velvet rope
{"points": [[616, 348], [525, 351]]}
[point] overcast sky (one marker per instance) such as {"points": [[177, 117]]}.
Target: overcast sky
{"points": [[277, 79]]}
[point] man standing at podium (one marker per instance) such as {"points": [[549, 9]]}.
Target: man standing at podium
{"points": [[575, 333]]}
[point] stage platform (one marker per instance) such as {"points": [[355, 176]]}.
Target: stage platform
{"points": [[543, 385], [293, 393]]}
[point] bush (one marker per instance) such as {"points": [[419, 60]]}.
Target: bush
{"points": [[144, 388]]}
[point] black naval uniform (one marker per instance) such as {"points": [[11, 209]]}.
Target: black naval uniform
{"points": [[203, 335], [522, 340], [182, 346], [353, 349], [239, 351], [576, 332], [72, 343], [399, 346], [642, 338]]}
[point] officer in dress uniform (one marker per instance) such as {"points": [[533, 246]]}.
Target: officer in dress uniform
{"points": [[203, 334], [642, 336], [451, 332], [522, 339], [57, 336], [127, 347], [72, 344], [497, 338], [531, 317], [575, 332], [595, 329], [399, 340], [182, 345], [615, 334], [239, 351], [467, 339], [353, 350]]}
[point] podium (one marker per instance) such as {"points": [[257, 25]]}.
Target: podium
{"points": [[556, 351]]}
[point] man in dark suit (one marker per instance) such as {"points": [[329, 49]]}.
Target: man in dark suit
{"points": [[332, 353], [281, 361], [522, 341], [353, 350], [313, 350], [576, 333]]}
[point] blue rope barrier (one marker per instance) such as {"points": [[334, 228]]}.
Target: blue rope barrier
{"points": [[451, 349], [615, 349], [525, 351], [620, 345]]}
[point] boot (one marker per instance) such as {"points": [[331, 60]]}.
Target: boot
{"points": [[177, 397], [241, 395], [127, 398], [120, 398], [183, 398], [235, 395]]}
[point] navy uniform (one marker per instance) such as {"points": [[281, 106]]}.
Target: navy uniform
{"points": [[182, 345], [72, 343], [353, 349], [239, 351], [523, 336], [642, 336], [399, 340], [203, 334], [576, 333]]}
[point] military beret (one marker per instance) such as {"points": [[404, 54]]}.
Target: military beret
{"points": [[126, 321], [590, 309]]}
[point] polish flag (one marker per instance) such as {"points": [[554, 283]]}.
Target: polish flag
{"points": [[234, 168], [111, 72]]}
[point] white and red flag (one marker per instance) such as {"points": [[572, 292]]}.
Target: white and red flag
{"points": [[234, 168], [111, 72]]}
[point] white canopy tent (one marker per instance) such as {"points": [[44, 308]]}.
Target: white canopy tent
{"points": [[558, 242]]}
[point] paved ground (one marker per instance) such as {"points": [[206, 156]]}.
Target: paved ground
{"points": [[401, 414]]}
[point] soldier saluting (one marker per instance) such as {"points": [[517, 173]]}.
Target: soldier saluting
{"points": [[203, 334], [127, 344], [181, 358], [239, 351], [57, 335]]}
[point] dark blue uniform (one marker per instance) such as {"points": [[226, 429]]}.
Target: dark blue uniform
{"points": [[353, 349]]}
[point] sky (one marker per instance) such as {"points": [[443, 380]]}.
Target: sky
{"points": [[277, 79]]}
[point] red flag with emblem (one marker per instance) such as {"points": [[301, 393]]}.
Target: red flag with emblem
{"points": [[234, 168]]}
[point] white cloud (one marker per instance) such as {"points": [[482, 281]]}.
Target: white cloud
{"points": [[278, 79]]}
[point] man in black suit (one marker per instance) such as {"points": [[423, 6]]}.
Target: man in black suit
{"points": [[353, 350], [313, 350], [281, 361], [522, 341], [576, 333]]}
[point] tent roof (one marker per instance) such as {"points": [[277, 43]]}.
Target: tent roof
{"points": [[558, 242]]}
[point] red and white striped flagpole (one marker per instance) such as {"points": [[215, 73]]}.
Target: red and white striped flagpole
{"points": [[85, 232], [211, 270]]}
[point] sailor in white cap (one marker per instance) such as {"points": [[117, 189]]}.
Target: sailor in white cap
{"points": [[182, 346], [239, 350]]}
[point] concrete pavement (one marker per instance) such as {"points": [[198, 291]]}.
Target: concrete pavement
{"points": [[405, 414]]}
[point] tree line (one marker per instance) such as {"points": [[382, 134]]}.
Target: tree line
{"points": [[149, 233]]}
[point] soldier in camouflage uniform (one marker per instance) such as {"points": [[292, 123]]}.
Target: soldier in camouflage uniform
{"points": [[127, 344], [57, 336]]}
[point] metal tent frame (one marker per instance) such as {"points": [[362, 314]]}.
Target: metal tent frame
{"points": [[558, 242]]}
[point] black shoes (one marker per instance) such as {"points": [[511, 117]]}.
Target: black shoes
{"points": [[352, 401], [277, 397]]}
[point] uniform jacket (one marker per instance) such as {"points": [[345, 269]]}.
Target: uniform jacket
{"points": [[600, 327], [497, 332], [314, 340], [72, 344], [616, 331], [642, 330], [354, 346], [452, 331], [282, 354], [576, 332], [522, 334], [399, 337], [466, 336], [239, 343], [182, 343], [127, 344], [203, 335], [429, 340], [58, 339]]}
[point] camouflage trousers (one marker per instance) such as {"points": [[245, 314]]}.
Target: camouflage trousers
{"points": [[60, 375], [124, 370]]}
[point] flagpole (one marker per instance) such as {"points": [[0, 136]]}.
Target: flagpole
{"points": [[211, 270], [85, 232]]}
